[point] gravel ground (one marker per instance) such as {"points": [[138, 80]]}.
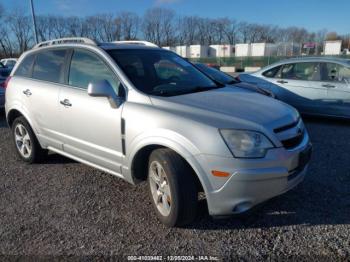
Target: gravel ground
{"points": [[65, 208]]}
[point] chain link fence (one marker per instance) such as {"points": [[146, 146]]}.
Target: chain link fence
{"points": [[242, 62]]}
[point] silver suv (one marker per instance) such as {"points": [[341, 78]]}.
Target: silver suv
{"points": [[143, 113]]}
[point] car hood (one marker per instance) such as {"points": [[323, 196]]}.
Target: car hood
{"points": [[231, 107]]}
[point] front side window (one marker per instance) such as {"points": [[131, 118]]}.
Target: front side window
{"points": [[24, 69], [159, 72], [335, 73], [49, 65], [302, 71], [86, 67]]}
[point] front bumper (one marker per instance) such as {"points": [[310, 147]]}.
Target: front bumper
{"points": [[253, 181]]}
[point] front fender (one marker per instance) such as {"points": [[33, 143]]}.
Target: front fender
{"points": [[172, 140]]}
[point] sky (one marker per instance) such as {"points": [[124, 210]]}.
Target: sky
{"points": [[314, 15]]}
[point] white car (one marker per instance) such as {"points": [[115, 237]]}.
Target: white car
{"points": [[140, 112], [313, 85]]}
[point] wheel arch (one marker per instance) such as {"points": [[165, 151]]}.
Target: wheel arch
{"points": [[16, 112], [138, 161], [12, 115]]}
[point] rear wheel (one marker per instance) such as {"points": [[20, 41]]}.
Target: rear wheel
{"points": [[172, 188], [27, 146]]}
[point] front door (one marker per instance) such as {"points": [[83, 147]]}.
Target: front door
{"points": [[92, 126], [297, 80]]}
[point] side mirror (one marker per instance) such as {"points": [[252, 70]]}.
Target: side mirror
{"points": [[104, 89]]}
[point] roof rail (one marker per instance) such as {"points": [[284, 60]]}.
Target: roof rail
{"points": [[136, 42], [78, 40]]}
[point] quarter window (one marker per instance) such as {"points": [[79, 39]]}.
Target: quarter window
{"points": [[87, 68], [24, 69], [48, 66]]}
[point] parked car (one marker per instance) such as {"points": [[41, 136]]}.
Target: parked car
{"points": [[9, 62], [144, 113], [315, 86], [4, 73], [2, 95], [226, 79]]}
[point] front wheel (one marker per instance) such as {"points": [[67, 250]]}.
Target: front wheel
{"points": [[172, 188]]}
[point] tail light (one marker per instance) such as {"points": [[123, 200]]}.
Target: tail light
{"points": [[5, 84]]}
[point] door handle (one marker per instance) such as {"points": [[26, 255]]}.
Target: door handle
{"points": [[27, 92], [65, 102], [328, 86], [282, 82]]}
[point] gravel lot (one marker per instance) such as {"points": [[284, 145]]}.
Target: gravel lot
{"points": [[65, 208]]}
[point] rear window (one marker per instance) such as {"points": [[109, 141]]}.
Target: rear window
{"points": [[24, 69], [10, 63], [49, 66]]}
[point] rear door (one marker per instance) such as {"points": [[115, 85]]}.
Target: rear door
{"points": [[40, 94], [299, 90], [92, 126], [336, 79]]}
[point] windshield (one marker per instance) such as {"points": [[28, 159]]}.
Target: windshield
{"points": [[159, 72], [215, 74]]}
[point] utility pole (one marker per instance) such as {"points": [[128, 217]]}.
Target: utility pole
{"points": [[34, 22]]}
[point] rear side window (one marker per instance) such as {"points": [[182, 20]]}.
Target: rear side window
{"points": [[24, 69], [49, 65], [87, 67], [335, 73]]}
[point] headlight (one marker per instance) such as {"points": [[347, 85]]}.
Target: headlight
{"points": [[246, 144]]}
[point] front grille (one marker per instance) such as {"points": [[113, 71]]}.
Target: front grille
{"points": [[286, 127], [291, 135], [293, 142]]}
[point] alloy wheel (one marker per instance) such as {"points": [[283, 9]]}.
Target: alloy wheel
{"points": [[160, 188], [23, 141]]}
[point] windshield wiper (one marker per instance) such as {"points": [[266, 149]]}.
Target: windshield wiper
{"points": [[205, 88], [169, 92], [231, 82]]}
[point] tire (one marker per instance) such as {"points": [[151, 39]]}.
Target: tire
{"points": [[26, 143], [174, 193]]}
